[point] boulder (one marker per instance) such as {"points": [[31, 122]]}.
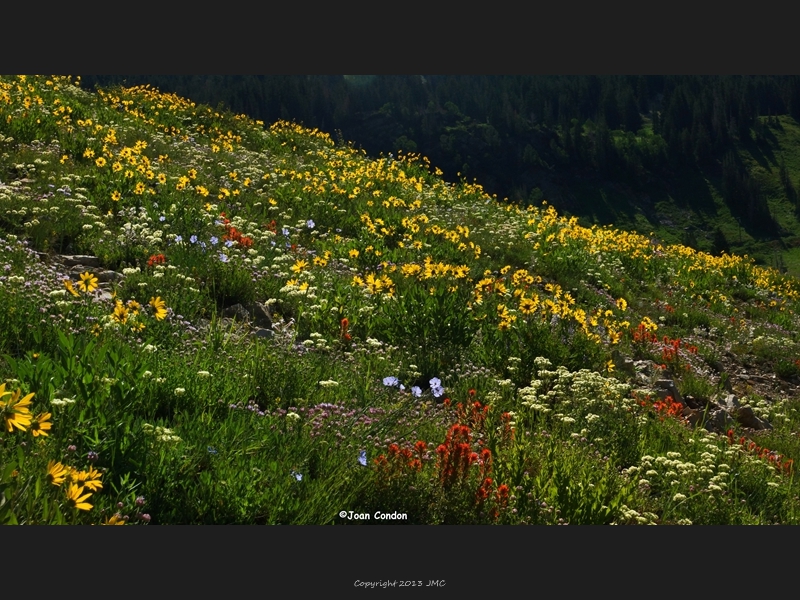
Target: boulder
{"points": [[693, 416], [719, 421], [666, 387], [80, 259], [730, 403], [255, 313], [747, 418]]}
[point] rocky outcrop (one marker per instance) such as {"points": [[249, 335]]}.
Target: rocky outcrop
{"points": [[256, 313], [717, 416]]}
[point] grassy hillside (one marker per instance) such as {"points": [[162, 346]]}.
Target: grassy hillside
{"points": [[206, 320], [686, 205]]}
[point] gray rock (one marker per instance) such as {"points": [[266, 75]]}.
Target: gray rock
{"points": [[80, 259], [261, 315], [102, 275], [747, 418], [256, 313], [236, 311], [719, 421], [693, 416], [263, 333], [106, 276], [731, 403], [695, 403], [623, 363], [644, 366], [666, 387]]}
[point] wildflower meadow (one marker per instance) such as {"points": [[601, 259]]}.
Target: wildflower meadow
{"points": [[206, 319]]}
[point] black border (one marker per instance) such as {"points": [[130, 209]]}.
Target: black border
{"points": [[471, 560], [626, 38], [365, 38]]}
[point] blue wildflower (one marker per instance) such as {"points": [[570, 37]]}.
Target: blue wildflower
{"points": [[298, 476], [223, 257], [162, 218], [229, 243], [285, 232], [390, 381], [178, 238], [416, 391], [212, 450], [362, 458], [310, 224], [436, 387], [214, 240], [193, 239]]}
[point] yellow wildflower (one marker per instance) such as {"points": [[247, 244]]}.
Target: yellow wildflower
{"points": [[70, 288], [76, 500], [88, 282], [40, 424], [15, 410], [160, 307], [56, 472], [299, 265]]}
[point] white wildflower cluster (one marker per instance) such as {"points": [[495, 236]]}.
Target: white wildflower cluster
{"points": [[629, 515], [299, 289], [139, 229], [581, 396], [282, 258], [682, 478], [769, 344], [329, 383], [161, 434], [493, 397], [765, 409], [62, 401]]}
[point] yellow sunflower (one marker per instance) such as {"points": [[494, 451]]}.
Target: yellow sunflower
{"points": [[76, 500], [15, 410], [70, 287], [56, 472], [115, 519], [88, 282], [89, 479], [160, 307], [40, 424]]}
